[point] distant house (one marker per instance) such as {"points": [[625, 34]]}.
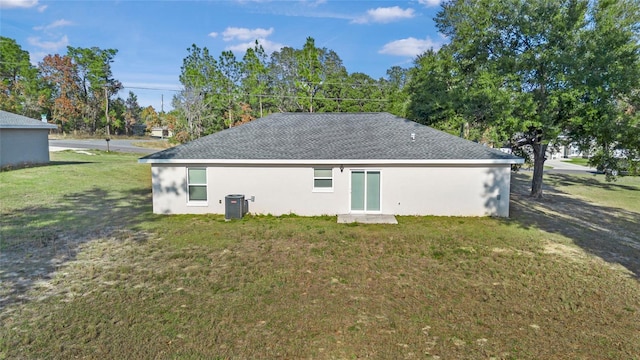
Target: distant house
{"points": [[161, 132], [562, 150], [23, 140], [333, 163]]}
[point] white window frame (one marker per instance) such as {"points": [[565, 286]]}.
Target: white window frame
{"points": [[322, 189], [206, 186]]}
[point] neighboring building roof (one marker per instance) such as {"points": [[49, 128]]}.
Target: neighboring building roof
{"points": [[14, 121], [350, 138]]}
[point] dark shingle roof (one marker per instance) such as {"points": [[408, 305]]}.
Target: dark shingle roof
{"points": [[330, 136], [14, 121]]}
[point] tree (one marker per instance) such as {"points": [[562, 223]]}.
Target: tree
{"points": [[200, 105], [360, 94], [254, 78], [283, 75], [132, 113], [523, 54], [20, 89], [608, 83], [150, 117], [466, 101], [93, 66], [333, 79], [59, 73], [309, 71], [395, 90], [229, 87]]}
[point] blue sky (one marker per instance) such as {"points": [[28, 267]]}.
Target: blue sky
{"points": [[152, 37]]}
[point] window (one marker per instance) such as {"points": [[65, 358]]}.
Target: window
{"points": [[322, 179], [197, 184]]}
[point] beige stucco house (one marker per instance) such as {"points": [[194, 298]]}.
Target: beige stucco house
{"points": [[23, 140], [333, 163]]}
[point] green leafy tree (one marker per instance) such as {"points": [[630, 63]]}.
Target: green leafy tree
{"points": [[283, 77], [334, 77], [518, 69], [229, 87], [395, 91], [20, 88], [254, 78], [309, 71], [362, 94], [199, 105], [94, 76], [117, 116], [607, 84], [132, 113]]}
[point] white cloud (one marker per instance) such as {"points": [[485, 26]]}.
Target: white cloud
{"points": [[235, 33], [24, 4], [53, 25], [384, 15], [267, 45], [213, 34], [409, 46], [313, 3], [52, 46], [430, 3]]}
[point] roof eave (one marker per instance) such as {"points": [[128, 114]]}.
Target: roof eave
{"points": [[335, 161], [29, 127]]}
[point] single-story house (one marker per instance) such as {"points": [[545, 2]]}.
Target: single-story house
{"points": [[161, 132], [333, 163], [23, 140]]}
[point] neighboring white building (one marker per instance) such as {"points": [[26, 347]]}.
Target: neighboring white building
{"points": [[565, 152], [333, 163], [23, 140], [161, 132]]}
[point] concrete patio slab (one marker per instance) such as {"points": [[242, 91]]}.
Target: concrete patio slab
{"points": [[367, 219]]}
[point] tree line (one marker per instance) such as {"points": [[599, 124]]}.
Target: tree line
{"points": [[220, 92], [528, 75], [74, 90]]}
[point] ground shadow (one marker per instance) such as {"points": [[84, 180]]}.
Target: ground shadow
{"points": [[36, 165], [36, 241], [58, 163], [611, 233]]}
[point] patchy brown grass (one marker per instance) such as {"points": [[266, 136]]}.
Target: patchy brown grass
{"points": [[534, 286], [156, 144]]}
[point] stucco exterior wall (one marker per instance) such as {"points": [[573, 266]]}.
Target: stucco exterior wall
{"points": [[20, 146], [279, 189]]}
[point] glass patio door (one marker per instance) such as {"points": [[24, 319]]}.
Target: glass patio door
{"points": [[365, 191]]}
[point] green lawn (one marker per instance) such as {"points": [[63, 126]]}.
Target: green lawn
{"points": [[89, 272], [577, 161]]}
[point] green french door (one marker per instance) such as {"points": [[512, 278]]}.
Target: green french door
{"points": [[365, 191]]}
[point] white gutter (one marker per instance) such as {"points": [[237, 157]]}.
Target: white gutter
{"points": [[336, 161], [38, 126]]}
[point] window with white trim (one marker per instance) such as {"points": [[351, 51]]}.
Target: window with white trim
{"points": [[322, 179], [197, 184]]}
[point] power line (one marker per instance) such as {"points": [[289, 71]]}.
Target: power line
{"points": [[269, 96], [149, 88]]}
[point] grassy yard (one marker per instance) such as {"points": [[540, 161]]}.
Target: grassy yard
{"points": [[578, 161], [87, 271]]}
